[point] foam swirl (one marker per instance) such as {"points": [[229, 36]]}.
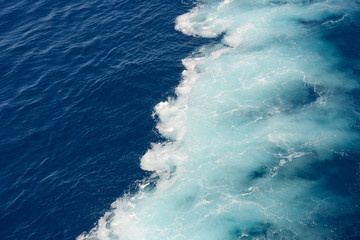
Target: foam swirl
{"points": [[260, 125]]}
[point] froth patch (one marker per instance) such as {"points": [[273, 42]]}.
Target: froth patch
{"points": [[259, 128]]}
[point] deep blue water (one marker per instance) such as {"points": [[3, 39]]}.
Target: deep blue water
{"points": [[78, 81]]}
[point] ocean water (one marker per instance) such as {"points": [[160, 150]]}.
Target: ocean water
{"points": [[259, 139], [78, 83]]}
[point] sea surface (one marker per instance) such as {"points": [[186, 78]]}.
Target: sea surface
{"points": [[78, 83], [159, 119]]}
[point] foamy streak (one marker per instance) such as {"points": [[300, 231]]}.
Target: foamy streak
{"points": [[253, 116]]}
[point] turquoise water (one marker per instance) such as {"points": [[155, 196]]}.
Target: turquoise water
{"points": [[263, 134]]}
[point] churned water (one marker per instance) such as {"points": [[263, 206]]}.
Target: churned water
{"points": [[259, 140]]}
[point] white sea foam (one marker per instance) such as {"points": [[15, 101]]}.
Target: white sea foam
{"points": [[253, 115]]}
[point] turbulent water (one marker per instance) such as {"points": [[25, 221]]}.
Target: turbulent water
{"points": [[262, 136]]}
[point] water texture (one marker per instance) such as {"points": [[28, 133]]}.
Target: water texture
{"points": [[262, 136], [78, 82]]}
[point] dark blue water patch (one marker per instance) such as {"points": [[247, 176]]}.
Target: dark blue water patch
{"points": [[291, 101], [342, 173], [337, 178], [78, 84], [346, 36]]}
